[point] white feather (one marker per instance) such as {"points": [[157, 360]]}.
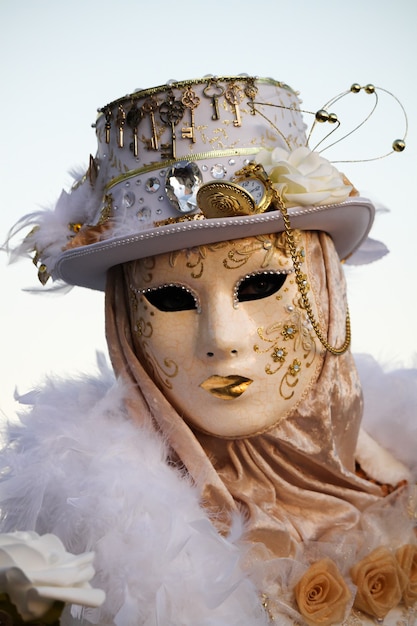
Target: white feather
{"points": [[390, 408], [76, 466], [82, 470]]}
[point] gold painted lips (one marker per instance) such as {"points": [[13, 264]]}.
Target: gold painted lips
{"points": [[226, 387]]}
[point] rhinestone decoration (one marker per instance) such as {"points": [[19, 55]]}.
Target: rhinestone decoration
{"points": [[295, 368], [240, 281], [152, 185], [218, 171], [128, 199], [182, 182], [145, 290], [279, 354], [144, 214]]}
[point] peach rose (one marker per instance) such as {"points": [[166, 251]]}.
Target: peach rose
{"points": [[380, 581], [322, 595], [407, 560]]}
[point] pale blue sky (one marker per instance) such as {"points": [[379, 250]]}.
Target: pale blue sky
{"points": [[61, 60]]}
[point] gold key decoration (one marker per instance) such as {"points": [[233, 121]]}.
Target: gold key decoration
{"points": [[149, 106], [107, 126], [120, 121], [133, 117], [171, 112], [191, 101], [250, 91], [214, 91], [234, 94]]}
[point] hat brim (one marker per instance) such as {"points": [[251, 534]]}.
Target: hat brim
{"points": [[347, 223]]}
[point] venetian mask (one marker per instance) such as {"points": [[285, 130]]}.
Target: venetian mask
{"points": [[221, 331]]}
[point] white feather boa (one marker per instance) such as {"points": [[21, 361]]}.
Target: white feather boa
{"points": [[82, 470], [77, 467]]}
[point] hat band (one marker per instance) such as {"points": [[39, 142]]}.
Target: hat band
{"points": [[200, 156]]}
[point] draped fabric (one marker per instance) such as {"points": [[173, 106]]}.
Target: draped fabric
{"points": [[295, 482]]}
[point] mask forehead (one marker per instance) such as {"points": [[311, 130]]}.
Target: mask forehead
{"points": [[243, 255], [230, 367]]}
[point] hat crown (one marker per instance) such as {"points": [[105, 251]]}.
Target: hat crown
{"points": [[212, 126]]}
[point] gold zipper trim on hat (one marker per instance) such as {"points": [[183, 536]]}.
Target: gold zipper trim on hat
{"points": [[180, 84], [200, 156]]}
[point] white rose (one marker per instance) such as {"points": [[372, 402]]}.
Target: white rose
{"points": [[303, 177], [36, 571]]}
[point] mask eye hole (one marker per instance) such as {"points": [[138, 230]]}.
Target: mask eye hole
{"points": [[171, 298], [258, 286]]}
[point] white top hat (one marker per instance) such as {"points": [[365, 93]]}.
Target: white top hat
{"points": [[174, 170]]}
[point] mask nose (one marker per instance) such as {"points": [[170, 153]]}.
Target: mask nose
{"points": [[224, 331], [233, 352]]}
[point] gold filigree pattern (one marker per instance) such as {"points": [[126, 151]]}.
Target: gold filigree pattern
{"points": [[300, 347], [143, 329], [161, 373], [195, 257], [142, 268], [242, 250], [289, 381]]}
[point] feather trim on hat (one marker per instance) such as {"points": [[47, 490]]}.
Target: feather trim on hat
{"points": [[51, 230]]}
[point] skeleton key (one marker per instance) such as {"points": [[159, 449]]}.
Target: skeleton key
{"points": [[121, 120], [191, 101], [107, 114], [149, 106], [134, 116], [171, 112], [218, 91], [234, 95], [250, 91]]}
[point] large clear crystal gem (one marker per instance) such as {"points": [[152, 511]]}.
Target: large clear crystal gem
{"points": [[182, 182]]}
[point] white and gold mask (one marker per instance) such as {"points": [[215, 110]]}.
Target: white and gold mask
{"points": [[221, 331]]}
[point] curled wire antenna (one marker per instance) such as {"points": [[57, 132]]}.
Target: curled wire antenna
{"points": [[398, 145], [323, 116]]}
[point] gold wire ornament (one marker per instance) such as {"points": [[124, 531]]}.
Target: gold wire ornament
{"points": [[398, 145], [322, 116]]}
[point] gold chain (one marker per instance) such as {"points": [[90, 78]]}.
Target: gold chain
{"points": [[301, 281]]}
